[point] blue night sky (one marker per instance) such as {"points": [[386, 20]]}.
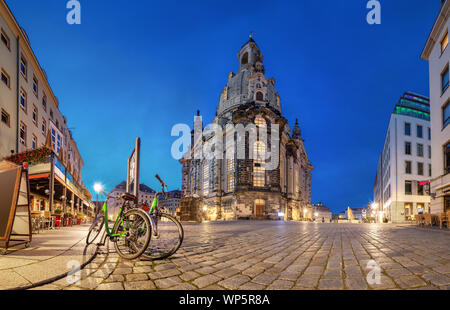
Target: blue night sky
{"points": [[136, 68]]}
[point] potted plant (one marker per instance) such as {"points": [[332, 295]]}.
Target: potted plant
{"points": [[80, 218], [69, 218], [58, 217]]}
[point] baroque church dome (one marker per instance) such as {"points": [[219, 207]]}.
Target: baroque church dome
{"points": [[249, 85]]}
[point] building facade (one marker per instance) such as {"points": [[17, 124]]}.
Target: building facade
{"points": [[233, 188], [321, 213], [405, 162], [169, 204], [437, 53], [31, 120]]}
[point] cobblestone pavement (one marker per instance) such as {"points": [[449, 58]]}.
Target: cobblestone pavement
{"points": [[49, 256], [279, 255]]}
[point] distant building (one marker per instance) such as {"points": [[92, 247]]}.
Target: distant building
{"points": [[437, 53], [171, 202], [146, 195], [357, 213], [405, 161], [321, 213]]}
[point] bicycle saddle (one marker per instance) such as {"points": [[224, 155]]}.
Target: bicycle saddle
{"points": [[128, 196]]}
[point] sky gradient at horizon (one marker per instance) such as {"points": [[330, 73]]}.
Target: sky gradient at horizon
{"points": [[138, 68]]}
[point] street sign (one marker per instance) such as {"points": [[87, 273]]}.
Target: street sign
{"points": [[133, 170]]}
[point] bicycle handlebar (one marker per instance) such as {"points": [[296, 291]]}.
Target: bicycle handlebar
{"points": [[161, 181]]}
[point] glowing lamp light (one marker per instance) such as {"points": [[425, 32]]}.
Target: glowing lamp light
{"points": [[304, 211], [281, 214], [98, 188], [205, 208], [316, 214]]}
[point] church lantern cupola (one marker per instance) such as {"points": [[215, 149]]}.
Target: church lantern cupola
{"points": [[296, 132], [250, 57]]}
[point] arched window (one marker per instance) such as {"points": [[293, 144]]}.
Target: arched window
{"points": [[259, 154], [244, 59], [259, 96], [260, 122], [205, 179]]}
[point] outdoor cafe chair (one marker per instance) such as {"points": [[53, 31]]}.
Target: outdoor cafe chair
{"points": [[443, 219], [427, 219], [420, 220]]}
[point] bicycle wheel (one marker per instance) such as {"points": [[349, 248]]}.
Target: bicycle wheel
{"points": [[167, 237], [137, 227], [95, 229]]}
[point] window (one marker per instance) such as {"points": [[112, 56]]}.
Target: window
{"points": [[407, 167], [35, 115], [35, 86], [408, 188], [446, 114], [51, 113], [407, 148], [429, 170], [34, 142], [44, 102], [244, 60], [23, 134], [444, 79], [420, 189], [230, 175], [447, 158], [429, 133], [205, 179], [23, 66], [407, 129], [419, 150], [259, 96], [420, 168], [56, 140], [259, 171], [5, 118], [230, 184], [5, 78], [44, 127], [444, 42], [23, 100], [5, 39], [419, 131], [260, 122], [429, 152]]}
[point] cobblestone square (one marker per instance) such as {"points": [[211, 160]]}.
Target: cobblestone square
{"points": [[256, 255]]}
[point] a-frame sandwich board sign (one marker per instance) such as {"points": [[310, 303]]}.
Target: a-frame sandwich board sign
{"points": [[15, 215]]}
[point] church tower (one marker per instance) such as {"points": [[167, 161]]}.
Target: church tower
{"points": [[233, 188]]}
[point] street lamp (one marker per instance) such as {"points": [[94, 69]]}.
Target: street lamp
{"points": [[98, 188]]}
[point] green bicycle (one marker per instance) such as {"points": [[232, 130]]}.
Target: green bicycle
{"points": [[131, 232], [167, 232]]}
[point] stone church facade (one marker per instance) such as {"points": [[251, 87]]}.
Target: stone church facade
{"points": [[228, 189]]}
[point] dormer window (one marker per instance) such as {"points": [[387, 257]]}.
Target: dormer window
{"points": [[244, 60], [259, 96]]}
